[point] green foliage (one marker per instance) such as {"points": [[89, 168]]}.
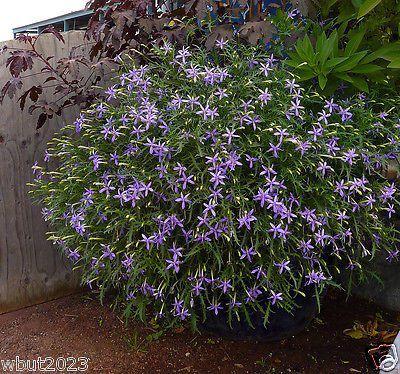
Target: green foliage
{"points": [[348, 8], [356, 43], [366, 7], [381, 18], [340, 58]]}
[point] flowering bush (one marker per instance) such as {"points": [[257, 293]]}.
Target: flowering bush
{"points": [[211, 182]]}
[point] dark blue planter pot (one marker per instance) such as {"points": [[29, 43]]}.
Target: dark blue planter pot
{"points": [[281, 323]]}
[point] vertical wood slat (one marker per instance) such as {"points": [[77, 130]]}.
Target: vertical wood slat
{"points": [[31, 268]]}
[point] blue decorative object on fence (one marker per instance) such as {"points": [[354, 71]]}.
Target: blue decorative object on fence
{"points": [[240, 10]]}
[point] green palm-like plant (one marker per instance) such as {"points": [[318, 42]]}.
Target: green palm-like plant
{"points": [[332, 60]]}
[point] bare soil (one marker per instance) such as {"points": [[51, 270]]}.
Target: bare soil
{"points": [[79, 326]]}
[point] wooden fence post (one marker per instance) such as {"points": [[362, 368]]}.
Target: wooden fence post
{"points": [[31, 268]]}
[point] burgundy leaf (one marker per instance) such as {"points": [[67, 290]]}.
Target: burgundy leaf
{"points": [[105, 64], [24, 38], [41, 121], [34, 93], [49, 108], [69, 66], [22, 99], [50, 79], [63, 89], [224, 32], [10, 88], [305, 7], [19, 61], [204, 7], [95, 4], [52, 30], [96, 29], [255, 31]]}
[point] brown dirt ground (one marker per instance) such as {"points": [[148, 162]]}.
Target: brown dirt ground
{"points": [[78, 326]]}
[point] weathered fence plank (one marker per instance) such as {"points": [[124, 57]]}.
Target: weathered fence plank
{"points": [[31, 269]]}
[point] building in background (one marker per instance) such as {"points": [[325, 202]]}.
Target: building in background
{"points": [[79, 20], [71, 21]]}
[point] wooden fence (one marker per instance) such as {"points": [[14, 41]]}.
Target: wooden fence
{"points": [[31, 268]]}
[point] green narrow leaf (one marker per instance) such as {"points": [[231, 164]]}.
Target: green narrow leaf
{"points": [[351, 63], [335, 61], [360, 83], [322, 81], [367, 68], [295, 63], [328, 47], [301, 52], [294, 58], [343, 76], [395, 64], [305, 75], [366, 7], [342, 28], [347, 12], [388, 52], [308, 48], [378, 76], [354, 42], [357, 3], [326, 7], [321, 41]]}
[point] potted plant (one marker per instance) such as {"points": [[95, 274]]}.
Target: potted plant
{"points": [[212, 186]]}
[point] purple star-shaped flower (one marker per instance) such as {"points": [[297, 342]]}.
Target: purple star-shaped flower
{"points": [[247, 219]]}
